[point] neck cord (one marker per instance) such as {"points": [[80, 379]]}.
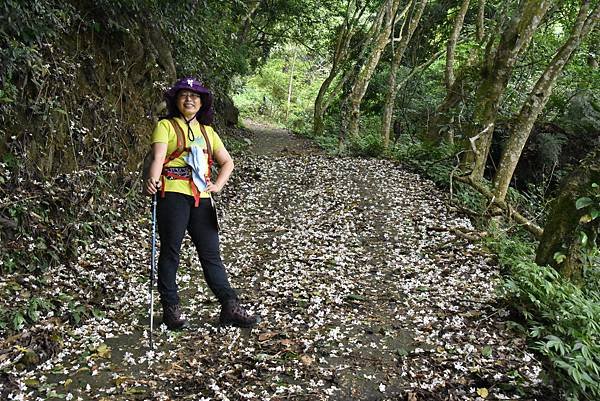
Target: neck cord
{"points": [[190, 133]]}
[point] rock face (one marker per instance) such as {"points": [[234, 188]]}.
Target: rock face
{"points": [[87, 98], [583, 115], [226, 111]]}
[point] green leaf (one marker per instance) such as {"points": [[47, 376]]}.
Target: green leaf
{"points": [[135, 390], [32, 383], [33, 314], [355, 297], [18, 321], [98, 313], [486, 351], [584, 238], [559, 257], [583, 202]]}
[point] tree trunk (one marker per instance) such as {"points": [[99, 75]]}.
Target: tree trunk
{"points": [[561, 230], [539, 97], [247, 20], [480, 20], [405, 37], [451, 46], [453, 92], [380, 39], [289, 97], [496, 74], [319, 111], [442, 118], [340, 55]]}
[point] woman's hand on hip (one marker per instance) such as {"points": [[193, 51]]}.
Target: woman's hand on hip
{"points": [[213, 187]]}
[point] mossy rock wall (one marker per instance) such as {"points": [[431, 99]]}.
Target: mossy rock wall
{"points": [[82, 85], [92, 99]]}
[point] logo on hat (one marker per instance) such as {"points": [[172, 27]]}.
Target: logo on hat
{"points": [[190, 82]]}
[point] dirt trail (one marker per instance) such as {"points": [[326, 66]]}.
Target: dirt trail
{"points": [[269, 140], [364, 288]]}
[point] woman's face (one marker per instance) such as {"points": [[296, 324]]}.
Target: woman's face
{"points": [[188, 103]]}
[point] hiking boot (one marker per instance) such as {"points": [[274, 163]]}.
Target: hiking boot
{"points": [[233, 314], [172, 317]]}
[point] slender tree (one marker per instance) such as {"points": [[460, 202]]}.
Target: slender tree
{"points": [[406, 33], [455, 86], [480, 20], [382, 28], [346, 32], [290, 86], [452, 40], [496, 73]]}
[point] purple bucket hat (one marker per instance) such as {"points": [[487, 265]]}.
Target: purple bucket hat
{"points": [[205, 114]]}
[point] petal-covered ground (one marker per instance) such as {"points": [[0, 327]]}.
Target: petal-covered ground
{"points": [[366, 289]]}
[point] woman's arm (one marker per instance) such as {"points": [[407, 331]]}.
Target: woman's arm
{"points": [[159, 152], [225, 161]]}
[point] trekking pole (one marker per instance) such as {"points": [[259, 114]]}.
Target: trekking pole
{"points": [[152, 267]]}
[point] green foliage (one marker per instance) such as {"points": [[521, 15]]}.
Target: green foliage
{"points": [[369, 143], [588, 233], [264, 95], [25, 30], [204, 39], [330, 143], [435, 162], [563, 320], [82, 206]]}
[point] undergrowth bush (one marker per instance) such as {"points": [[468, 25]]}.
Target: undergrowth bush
{"points": [[437, 163], [47, 224], [368, 145], [562, 320]]}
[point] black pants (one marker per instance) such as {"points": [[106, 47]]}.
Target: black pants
{"points": [[175, 214]]}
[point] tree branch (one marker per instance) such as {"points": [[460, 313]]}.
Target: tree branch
{"points": [[511, 212]]}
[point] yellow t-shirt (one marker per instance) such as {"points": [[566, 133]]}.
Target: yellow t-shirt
{"points": [[165, 133]]}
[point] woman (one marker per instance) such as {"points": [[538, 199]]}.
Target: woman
{"points": [[180, 173]]}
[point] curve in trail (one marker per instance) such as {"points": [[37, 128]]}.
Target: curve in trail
{"points": [[270, 140], [365, 291]]}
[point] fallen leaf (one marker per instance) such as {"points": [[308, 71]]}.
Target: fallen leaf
{"points": [[266, 336], [307, 360]]}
